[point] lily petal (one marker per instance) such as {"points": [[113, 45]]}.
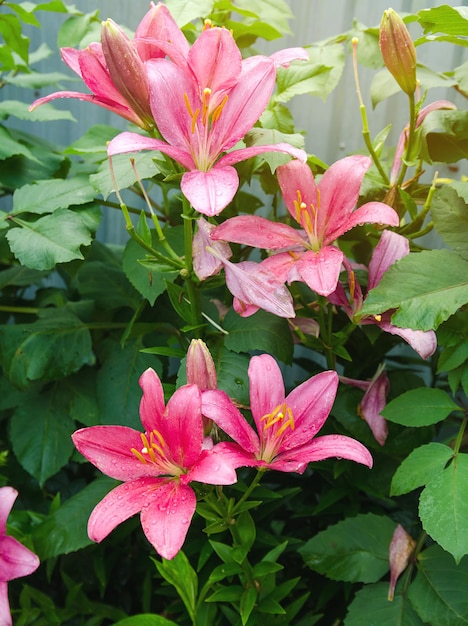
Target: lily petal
{"points": [[424, 342], [266, 387], [210, 192], [206, 264], [166, 519], [321, 270], [7, 499], [214, 468], [370, 213], [259, 232], [182, 426], [326, 447], [391, 248], [133, 142], [152, 402], [15, 559]]}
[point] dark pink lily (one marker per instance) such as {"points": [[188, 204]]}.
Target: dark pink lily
{"points": [[15, 559], [114, 70], [390, 248], [156, 466], [286, 425], [325, 211], [203, 109]]}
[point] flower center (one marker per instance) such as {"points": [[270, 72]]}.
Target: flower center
{"points": [[155, 451], [307, 218], [275, 425]]}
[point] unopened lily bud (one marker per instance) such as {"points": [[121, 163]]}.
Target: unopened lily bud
{"points": [[126, 69], [401, 548], [398, 51], [200, 366]]}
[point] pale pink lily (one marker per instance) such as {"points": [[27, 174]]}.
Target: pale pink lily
{"points": [[325, 211], [286, 425], [203, 109], [15, 559], [402, 141], [206, 264], [373, 402], [114, 70], [391, 248], [156, 465]]}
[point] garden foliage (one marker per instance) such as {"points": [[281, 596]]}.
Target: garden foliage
{"points": [[301, 347]]}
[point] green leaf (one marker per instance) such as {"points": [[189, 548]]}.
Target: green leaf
{"points": [[119, 393], [106, 284], [316, 77], [37, 80], [10, 29], [231, 369], [145, 619], [11, 147], [371, 607], [44, 113], [247, 603], [53, 239], [420, 407], [420, 467], [48, 195], [124, 173], [449, 211], [20, 276], [93, 141], [438, 593], [185, 11], [354, 550], [74, 29], [443, 507], [56, 345], [261, 331], [445, 19], [41, 432], [274, 13], [181, 575], [65, 530], [426, 288], [444, 136]]}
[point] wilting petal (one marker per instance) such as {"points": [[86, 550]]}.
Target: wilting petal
{"points": [[217, 406], [210, 192], [166, 518], [120, 504], [311, 403], [373, 403], [326, 447], [321, 270], [424, 342], [391, 248], [206, 264], [109, 449], [370, 213], [15, 559], [256, 231], [266, 387]]}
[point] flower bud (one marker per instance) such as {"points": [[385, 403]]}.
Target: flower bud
{"points": [[398, 51], [401, 548], [200, 366], [126, 70]]}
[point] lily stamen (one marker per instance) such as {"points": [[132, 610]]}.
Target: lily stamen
{"points": [[219, 109], [280, 413]]}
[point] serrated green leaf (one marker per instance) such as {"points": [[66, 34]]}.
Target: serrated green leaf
{"points": [[444, 19], [443, 507], [52, 239], [41, 432], [438, 593], [65, 530], [74, 29], [450, 214], [371, 607], [444, 136], [107, 285], [420, 407], [93, 141], [317, 77], [20, 276], [54, 346], [261, 331], [48, 195], [185, 11], [276, 13], [354, 550], [426, 288], [420, 467]]}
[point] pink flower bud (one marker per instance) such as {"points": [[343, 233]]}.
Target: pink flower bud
{"points": [[200, 366], [401, 548], [126, 69], [398, 51]]}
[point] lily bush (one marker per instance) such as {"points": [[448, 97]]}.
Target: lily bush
{"points": [[255, 409]]}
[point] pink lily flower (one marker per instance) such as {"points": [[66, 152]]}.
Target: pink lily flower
{"points": [[390, 248], [203, 110], [400, 149], [156, 466], [114, 71], [286, 426], [324, 211], [206, 264], [15, 559], [373, 402]]}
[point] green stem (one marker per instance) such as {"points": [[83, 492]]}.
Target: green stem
{"points": [[192, 291], [461, 432], [325, 321], [249, 490], [409, 145], [20, 309]]}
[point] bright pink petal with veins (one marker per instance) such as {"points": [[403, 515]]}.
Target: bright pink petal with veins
{"points": [[182, 426], [293, 177], [152, 405], [266, 387], [15, 559], [321, 270], [166, 518], [370, 213], [8, 496], [391, 248], [210, 192], [256, 231], [133, 142], [214, 468], [328, 446]]}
